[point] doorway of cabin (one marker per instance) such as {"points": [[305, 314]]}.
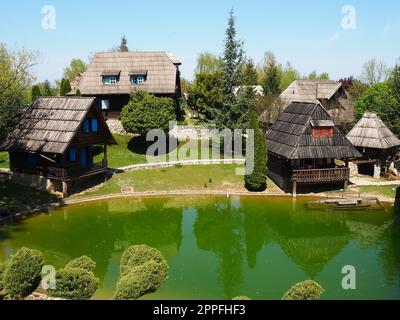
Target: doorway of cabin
{"points": [[84, 158]]}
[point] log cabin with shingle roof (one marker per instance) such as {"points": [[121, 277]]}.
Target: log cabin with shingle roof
{"points": [[112, 76], [53, 146], [331, 94], [303, 145], [377, 143]]}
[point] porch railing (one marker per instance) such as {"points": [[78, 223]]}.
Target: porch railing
{"points": [[321, 175], [76, 171]]}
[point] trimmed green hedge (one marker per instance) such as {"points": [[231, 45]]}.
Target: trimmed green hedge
{"points": [[74, 284], [83, 262], [307, 290], [143, 271], [23, 273], [135, 256]]}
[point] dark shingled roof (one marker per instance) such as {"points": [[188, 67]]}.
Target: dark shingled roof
{"points": [[50, 124], [291, 135]]}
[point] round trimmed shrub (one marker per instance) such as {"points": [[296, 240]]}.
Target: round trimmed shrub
{"points": [[137, 255], [3, 267], [83, 262], [74, 284], [307, 290], [23, 273], [141, 280]]}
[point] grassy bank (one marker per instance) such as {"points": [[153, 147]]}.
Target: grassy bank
{"points": [[132, 150], [386, 191], [222, 177], [15, 198]]}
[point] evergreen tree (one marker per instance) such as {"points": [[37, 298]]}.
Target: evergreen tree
{"points": [[257, 180], [272, 81], [78, 93], [67, 87], [249, 73], [36, 92], [62, 87], [124, 45], [232, 60], [47, 89]]}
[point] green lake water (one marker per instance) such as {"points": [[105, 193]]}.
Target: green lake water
{"points": [[220, 247]]}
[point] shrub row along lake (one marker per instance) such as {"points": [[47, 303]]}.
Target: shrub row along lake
{"points": [[219, 247]]}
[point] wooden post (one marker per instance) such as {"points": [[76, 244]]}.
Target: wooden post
{"points": [[346, 183], [65, 188], [294, 191]]}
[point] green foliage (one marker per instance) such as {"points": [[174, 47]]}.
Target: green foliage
{"points": [[135, 256], [124, 45], [35, 92], [143, 271], [208, 63], [141, 280], [380, 98], [249, 75], [3, 267], [307, 290], [288, 75], [394, 82], [15, 79], [78, 93], [206, 95], [22, 274], [76, 67], [47, 89], [74, 284], [232, 61], [272, 82], [83, 262], [145, 112], [65, 87], [257, 179], [357, 89], [314, 76]]}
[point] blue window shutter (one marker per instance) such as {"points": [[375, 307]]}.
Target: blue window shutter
{"points": [[94, 125], [86, 126], [72, 154]]}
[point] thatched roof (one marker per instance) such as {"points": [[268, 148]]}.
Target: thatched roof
{"points": [[161, 73], [50, 124], [371, 132], [314, 91], [291, 135]]}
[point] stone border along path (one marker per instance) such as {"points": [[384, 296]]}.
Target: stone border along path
{"points": [[155, 165]]}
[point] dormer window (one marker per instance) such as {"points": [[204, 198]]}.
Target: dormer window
{"points": [[322, 128], [138, 77], [138, 80], [110, 78]]}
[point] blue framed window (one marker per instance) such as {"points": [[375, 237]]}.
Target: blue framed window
{"points": [[138, 79], [110, 80], [32, 159], [72, 154], [86, 126], [94, 125]]}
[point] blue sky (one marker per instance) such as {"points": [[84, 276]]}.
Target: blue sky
{"points": [[307, 33]]}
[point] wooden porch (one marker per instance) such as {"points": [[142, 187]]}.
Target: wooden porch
{"points": [[76, 171], [320, 176]]}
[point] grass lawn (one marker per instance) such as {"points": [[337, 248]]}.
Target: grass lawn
{"points": [[4, 160], [176, 178], [387, 191], [17, 198], [131, 151]]}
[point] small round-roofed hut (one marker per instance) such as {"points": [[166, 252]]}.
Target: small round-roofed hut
{"points": [[376, 142]]}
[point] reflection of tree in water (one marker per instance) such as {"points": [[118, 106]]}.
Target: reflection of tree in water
{"points": [[390, 254], [220, 229]]}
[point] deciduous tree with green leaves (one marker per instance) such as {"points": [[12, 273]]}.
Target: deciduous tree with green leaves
{"points": [[145, 112], [76, 67]]}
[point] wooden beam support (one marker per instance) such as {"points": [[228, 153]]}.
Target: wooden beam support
{"points": [[294, 191]]}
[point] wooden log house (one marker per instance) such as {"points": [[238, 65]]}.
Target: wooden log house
{"points": [[53, 146], [303, 145], [377, 143]]}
